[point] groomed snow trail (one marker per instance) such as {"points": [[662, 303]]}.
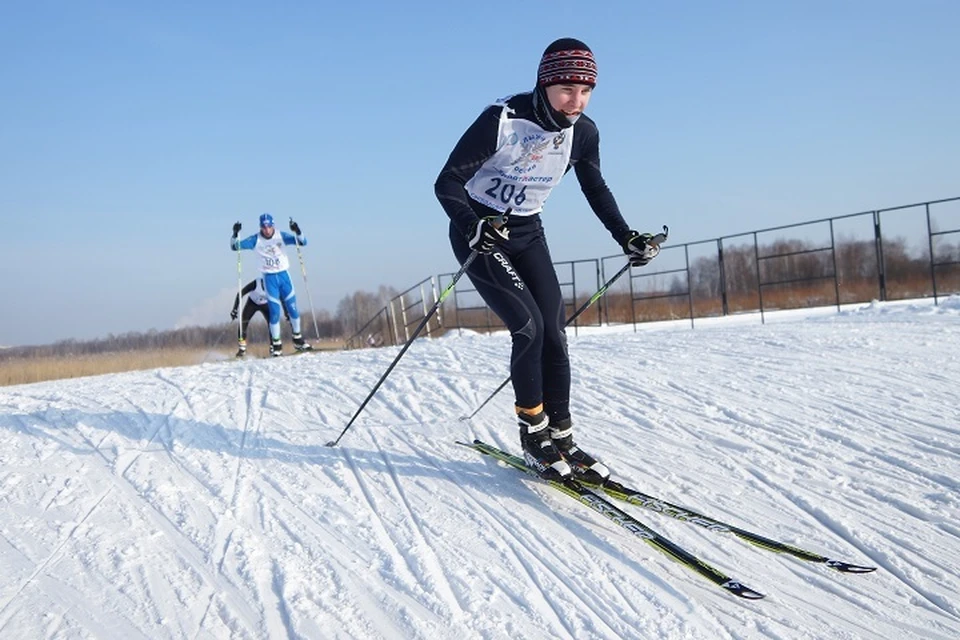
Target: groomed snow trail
{"points": [[200, 502]]}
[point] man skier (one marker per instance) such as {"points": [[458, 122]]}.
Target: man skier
{"points": [[269, 245], [256, 303]]}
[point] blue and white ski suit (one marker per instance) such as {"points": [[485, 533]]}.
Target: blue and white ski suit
{"points": [[276, 279]]}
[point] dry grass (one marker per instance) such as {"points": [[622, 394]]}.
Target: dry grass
{"points": [[29, 370]]}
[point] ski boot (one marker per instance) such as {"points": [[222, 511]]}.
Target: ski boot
{"points": [[586, 468], [242, 350], [300, 344], [276, 348], [539, 452]]}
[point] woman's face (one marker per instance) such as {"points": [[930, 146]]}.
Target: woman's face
{"points": [[569, 99]]}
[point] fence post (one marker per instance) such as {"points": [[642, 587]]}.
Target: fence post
{"points": [[933, 268], [598, 275], [723, 279], [686, 259], [836, 272], [396, 325], [881, 267], [573, 283], [756, 254], [403, 318]]}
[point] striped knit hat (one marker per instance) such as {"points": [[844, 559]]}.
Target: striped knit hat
{"points": [[567, 61]]}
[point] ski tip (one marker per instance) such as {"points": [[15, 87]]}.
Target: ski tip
{"points": [[742, 590], [331, 444], [846, 567]]}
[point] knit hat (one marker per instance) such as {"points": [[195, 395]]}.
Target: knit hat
{"points": [[567, 61]]}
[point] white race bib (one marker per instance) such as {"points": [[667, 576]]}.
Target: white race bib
{"points": [[273, 258], [528, 164]]}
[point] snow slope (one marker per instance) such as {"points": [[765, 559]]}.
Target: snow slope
{"points": [[200, 502]]}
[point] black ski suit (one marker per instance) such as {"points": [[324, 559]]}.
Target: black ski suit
{"points": [[518, 281], [252, 307]]}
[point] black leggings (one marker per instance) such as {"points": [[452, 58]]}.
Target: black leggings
{"points": [[250, 309], [518, 282]]}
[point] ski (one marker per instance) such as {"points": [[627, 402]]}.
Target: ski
{"points": [[616, 490], [607, 509]]}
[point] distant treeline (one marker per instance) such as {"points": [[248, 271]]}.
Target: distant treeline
{"points": [[351, 312]]}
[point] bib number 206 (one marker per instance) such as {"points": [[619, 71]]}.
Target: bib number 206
{"points": [[506, 192]]}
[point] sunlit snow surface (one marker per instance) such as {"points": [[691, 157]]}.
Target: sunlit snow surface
{"points": [[200, 502]]}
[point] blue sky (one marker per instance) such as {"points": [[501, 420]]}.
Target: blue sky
{"points": [[133, 135]]}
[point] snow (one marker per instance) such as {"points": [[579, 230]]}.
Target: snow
{"points": [[200, 502]]}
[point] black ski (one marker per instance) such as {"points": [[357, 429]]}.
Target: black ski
{"points": [[632, 496], [604, 507]]}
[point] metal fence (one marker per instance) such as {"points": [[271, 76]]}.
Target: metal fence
{"points": [[394, 323], [910, 251], [902, 252]]}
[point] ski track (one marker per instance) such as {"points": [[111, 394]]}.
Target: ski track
{"points": [[199, 502], [530, 542], [436, 580]]}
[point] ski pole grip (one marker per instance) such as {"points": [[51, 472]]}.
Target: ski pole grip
{"points": [[660, 238]]}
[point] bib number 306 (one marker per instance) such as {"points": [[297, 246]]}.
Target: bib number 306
{"points": [[506, 192]]}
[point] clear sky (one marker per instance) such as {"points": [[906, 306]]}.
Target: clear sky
{"points": [[133, 135]]}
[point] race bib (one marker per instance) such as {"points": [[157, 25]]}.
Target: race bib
{"points": [[528, 164], [273, 258]]}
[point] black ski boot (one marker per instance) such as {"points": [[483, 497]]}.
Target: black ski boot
{"points": [[276, 348], [242, 349], [586, 468], [539, 451], [300, 344]]}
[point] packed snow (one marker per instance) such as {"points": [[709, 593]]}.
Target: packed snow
{"points": [[201, 502]]}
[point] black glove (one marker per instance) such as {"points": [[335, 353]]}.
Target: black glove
{"points": [[233, 314], [294, 227], [484, 236], [641, 248], [236, 228]]}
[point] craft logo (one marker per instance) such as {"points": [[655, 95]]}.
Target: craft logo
{"points": [[517, 282]]}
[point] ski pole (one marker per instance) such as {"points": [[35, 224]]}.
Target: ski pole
{"points": [[423, 323], [436, 305], [239, 284], [303, 270], [657, 240]]}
